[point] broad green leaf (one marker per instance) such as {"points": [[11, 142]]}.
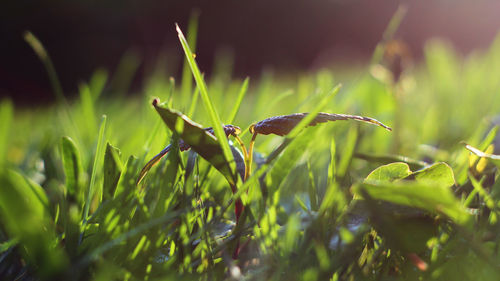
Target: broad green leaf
{"points": [[112, 170], [205, 144], [71, 164], [389, 172], [388, 159], [24, 212], [430, 196], [439, 173]]}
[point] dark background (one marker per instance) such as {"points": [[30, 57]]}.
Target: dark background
{"points": [[81, 36]]}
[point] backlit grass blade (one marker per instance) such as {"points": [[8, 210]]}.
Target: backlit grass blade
{"points": [[237, 104], [88, 110], [214, 116], [71, 164], [95, 168], [389, 32], [6, 115], [112, 170], [187, 78], [348, 151], [47, 63]]}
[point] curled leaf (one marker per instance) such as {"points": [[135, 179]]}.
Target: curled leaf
{"points": [[282, 125], [192, 135]]}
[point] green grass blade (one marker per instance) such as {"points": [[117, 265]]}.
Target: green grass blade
{"points": [[95, 168], [389, 32], [71, 164], [348, 151], [97, 252], [285, 163], [42, 54], [97, 83], [6, 116], [187, 78], [112, 170], [88, 109], [214, 116], [124, 74], [312, 114], [311, 189], [194, 102], [237, 104]]}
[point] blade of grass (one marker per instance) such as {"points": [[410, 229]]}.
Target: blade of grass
{"points": [[187, 78], [112, 170], [42, 54], [194, 102], [389, 32], [71, 164], [214, 116], [345, 159], [95, 167], [237, 104], [88, 110], [6, 116]]}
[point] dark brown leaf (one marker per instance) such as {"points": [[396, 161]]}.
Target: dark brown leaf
{"points": [[282, 125]]}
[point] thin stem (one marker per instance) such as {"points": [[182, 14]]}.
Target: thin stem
{"points": [[248, 168]]}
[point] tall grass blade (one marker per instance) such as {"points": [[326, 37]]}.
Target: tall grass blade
{"points": [[389, 32], [42, 54], [112, 170], [6, 116], [88, 109], [95, 168], [124, 74], [71, 164], [187, 78], [237, 104], [214, 116]]}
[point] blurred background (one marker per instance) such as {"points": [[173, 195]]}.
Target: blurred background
{"points": [[290, 35]]}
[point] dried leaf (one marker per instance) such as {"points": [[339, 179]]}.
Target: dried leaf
{"points": [[282, 125]]}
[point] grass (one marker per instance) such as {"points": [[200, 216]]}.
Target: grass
{"points": [[337, 201]]}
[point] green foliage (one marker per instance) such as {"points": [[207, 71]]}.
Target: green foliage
{"points": [[342, 201]]}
